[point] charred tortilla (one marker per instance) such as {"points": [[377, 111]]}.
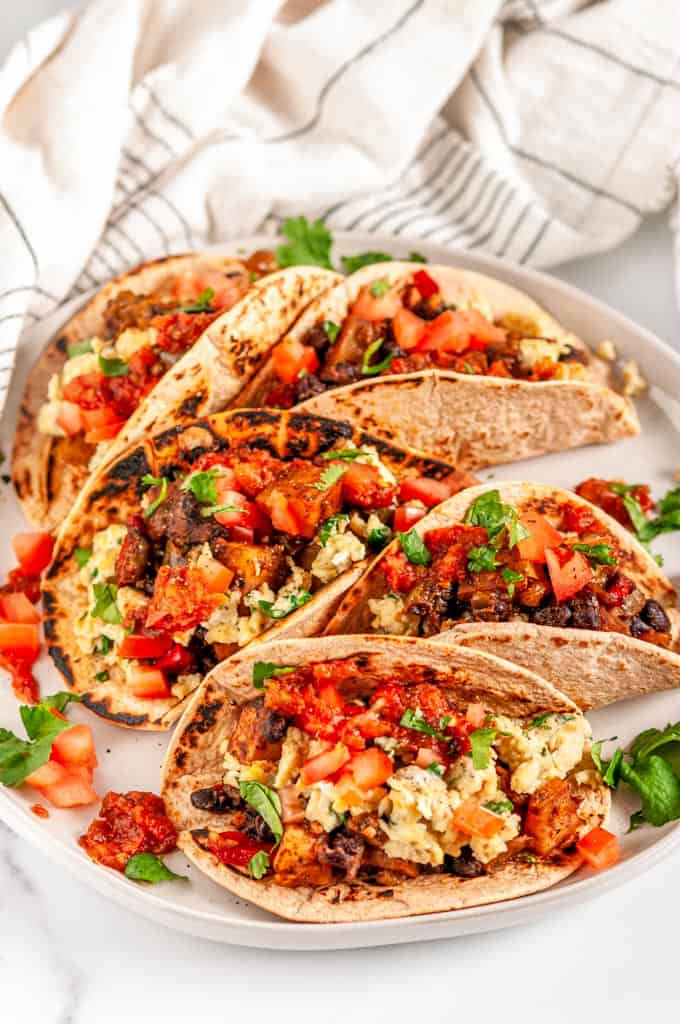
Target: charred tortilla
{"points": [[346, 869], [463, 366], [597, 617], [205, 536], [140, 325]]}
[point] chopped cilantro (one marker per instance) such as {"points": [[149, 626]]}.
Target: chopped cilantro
{"points": [[413, 546], [512, 577], [414, 720], [202, 303], [148, 867], [329, 477], [263, 670], [102, 644], [105, 607], [330, 526], [490, 512], [332, 330], [499, 806], [113, 367], [482, 558], [258, 865], [308, 244], [601, 554], [82, 556], [19, 758], [436, 769], [102, 677], [155, 481], [379, 288], [202, 486], [350, 454], [295, 601], [481, 741], [369, 370], [350, 264], [378, 538], [79, 348]]}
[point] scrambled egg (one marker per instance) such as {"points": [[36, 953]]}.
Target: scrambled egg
{"points": [[546, 750], [133, 339], [390, 616], [86, 362], [228, 626], [293, 755], [101, 568], [534, 349], [341, 550], [235, 772]]}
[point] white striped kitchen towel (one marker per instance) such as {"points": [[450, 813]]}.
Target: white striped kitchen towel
{"points": [[538, 130]]}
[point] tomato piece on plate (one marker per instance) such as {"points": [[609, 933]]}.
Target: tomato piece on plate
{"points": [[475, 820], [105, 433], [47, 774], [17, 608], [542, 535], [144, 646], [422, 488], [69, 418], [74, 747], [406, 516], [599, 848], [425, 284], [377, 307], [363, 487], [324, 764], [73, 789], [290, 357], [20, 639], [569, 571], [217, 575], [33, 551], [102, 417], [370, 768], [408, 329], [148, 683]]}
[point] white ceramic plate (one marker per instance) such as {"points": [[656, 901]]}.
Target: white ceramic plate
{"points": [[132, 761]]}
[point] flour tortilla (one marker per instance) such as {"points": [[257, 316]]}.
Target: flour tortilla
{"points": [[48, 472], [592, 667], [112, 495], [472, 420], [194, 761]]}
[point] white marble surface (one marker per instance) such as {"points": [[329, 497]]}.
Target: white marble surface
{"points": [[69, 957]]}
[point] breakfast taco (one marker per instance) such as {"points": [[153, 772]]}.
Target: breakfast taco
{"points": [[359, 778], [204, 537], [448, 361], [534, 574], [81, 401]]}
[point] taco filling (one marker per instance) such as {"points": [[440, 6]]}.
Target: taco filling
{"points": [[552, 563], [220, 554], [105, 378], [336, 775], [409, 327]]}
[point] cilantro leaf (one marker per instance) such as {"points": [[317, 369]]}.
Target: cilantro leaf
{"points": [[202, 486], [665, 742], [482, 559], [601, 554], [416, 257], [82, 556], [308, 244], [258, 865], [212, 510], [263, 670], [413, 546], [350, 454], [414, 720], [667, 521], [499, 806], [155, 481], [350, 264], [329, 527], [379, 287], [378, 538], [481, 741], [148, 867], [78, 348], [266, 802], [332, 330], [658, 787], [202, 303], [113, 367], [105, 607], [436, 769], [632, 505], [512, 577], [61, 700], [490, 512], [369, 370], [295, 601], [19, 758], [102, 645], [329, 477]]}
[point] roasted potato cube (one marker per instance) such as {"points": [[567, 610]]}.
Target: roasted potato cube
{"points": [[296, 861]]}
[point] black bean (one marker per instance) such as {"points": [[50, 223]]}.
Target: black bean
{"points": [[552, 615], [256, 827], [637, 627], [307, 387], [585, 611], [217, 799], [274, 726], [465, 865], [654, 614]]}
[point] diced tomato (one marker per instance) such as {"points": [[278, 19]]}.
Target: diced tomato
{"points": [[226, 290], [73, 789], [569, 571], [322, 765], [425, 757], [408, 329], [474, 820], [239, 514], [69, 418], [619, 589], [24, 683], [17, 608], [104, 433], [33, 551], [242, 533], [577, 519], [217, 575], [406, 516], [177, 660], [456, 331], [599, 848], [290, 357], [20, 640], [542, 535], [22, 582], [369, 725], [425, 284], [370, 768], [144, 646], [46, 775], [148, 682], [476, 715], [74, 747], [363, 487], [330, 696], [94, 418], [235, 848], [182, 598], [282, 515], [422, 488], [377, 307], [401, 575]]}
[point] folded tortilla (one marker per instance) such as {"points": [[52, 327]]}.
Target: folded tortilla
{"points": [[473, 420], [196, 761], [593, 667]]}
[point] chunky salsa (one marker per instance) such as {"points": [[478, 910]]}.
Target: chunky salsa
{"points": [[19, 619], [128, 824], [403, 328], [105, 378], [550, 563], [334, 774], [217, 555]]}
